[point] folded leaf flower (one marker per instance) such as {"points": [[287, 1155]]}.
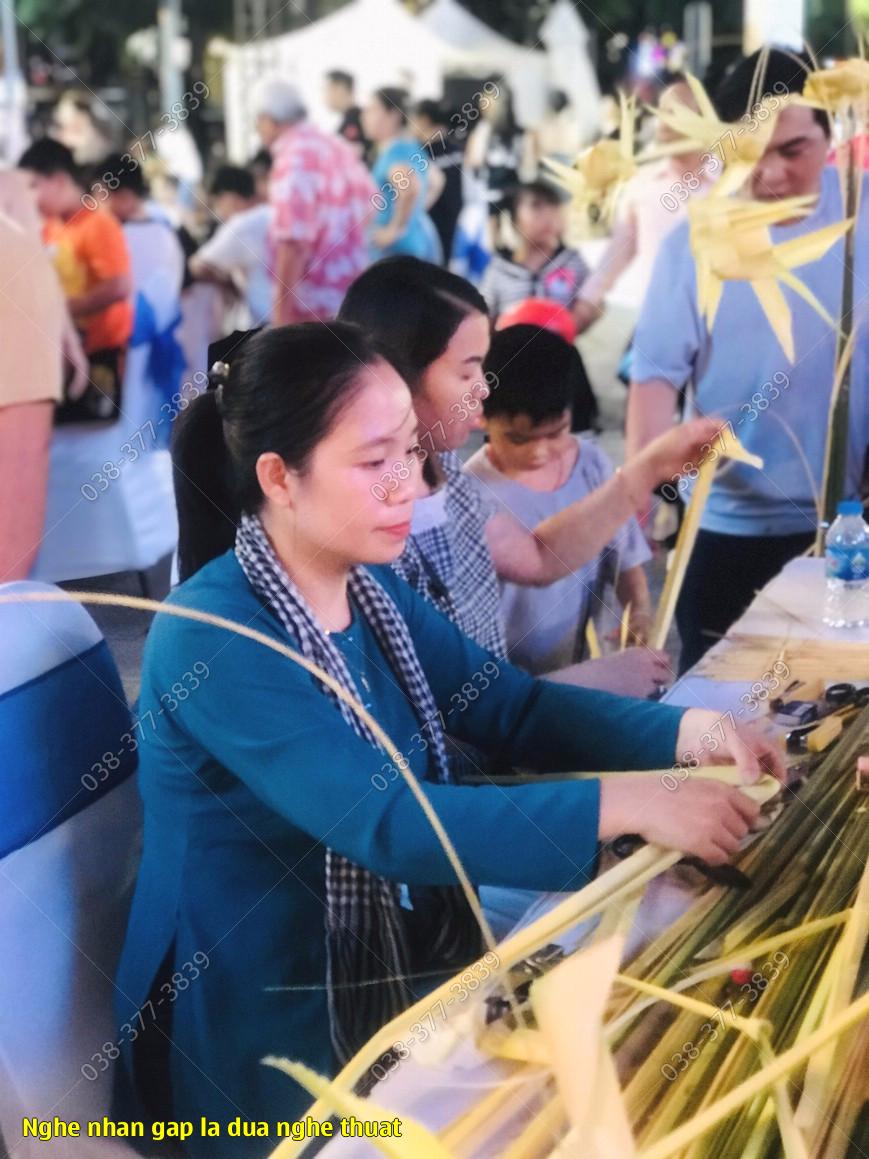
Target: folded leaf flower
{"points": [[737, 147], [731, 242], [597, 175], [840, 89]]}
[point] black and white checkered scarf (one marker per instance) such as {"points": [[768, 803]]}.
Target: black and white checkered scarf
{"points": [[369, 956]]}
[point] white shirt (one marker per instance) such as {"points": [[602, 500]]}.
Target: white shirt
{"points": [[240, 246]]}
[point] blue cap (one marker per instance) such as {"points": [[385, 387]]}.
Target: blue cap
{"points": [[850, 507]]}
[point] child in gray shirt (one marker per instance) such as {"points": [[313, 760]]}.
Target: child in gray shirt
{"points": [[533, 467]]}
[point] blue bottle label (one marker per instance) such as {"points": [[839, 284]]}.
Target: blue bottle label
{"points": [[847, 563]]}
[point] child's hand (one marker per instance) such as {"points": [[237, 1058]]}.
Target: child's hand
{"points": [[639, 626]]}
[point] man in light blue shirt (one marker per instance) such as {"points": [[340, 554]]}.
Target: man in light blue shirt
{"points": [[755, 521]]}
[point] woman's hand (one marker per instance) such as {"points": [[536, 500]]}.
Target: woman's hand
{"points": [[680, 450], [713, 739], [704, 818], [635, 672]]}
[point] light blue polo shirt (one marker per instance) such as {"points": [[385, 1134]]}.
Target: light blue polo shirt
{"points": [[742, 355]]}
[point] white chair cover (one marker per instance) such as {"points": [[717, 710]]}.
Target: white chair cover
{"points": [[68, 860], [126, 523]]}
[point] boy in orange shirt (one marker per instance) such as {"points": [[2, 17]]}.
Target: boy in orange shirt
{"points": [[92, 261]]}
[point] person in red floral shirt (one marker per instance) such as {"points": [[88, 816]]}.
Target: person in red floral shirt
{"points": [[321, 194]]}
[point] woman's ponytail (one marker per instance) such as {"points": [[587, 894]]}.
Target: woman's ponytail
{"points": [[208, 512]]}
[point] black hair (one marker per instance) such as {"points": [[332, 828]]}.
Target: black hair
{"points": [[339, 77], [394, 100], [505, 124], [126, 178], [542, 189], [262, 159], [537, 373], [412, 309], [47, 157], [432, 110], [284, 390], [233, 179], [784, 71]]}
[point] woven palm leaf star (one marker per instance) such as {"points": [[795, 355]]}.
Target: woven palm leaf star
{"points": [[738, 147], [730, 240], [597, 175], [841, 89]]}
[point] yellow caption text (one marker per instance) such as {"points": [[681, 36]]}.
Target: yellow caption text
{"points": [[306, 1128]]}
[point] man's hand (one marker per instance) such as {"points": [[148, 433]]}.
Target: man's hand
{"points": [[712, 740]]}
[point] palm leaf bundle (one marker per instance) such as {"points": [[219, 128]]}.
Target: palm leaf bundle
{"points": [[747, 1054]]}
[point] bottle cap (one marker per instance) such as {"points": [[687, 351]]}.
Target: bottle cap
{"points": [[850, 507]]}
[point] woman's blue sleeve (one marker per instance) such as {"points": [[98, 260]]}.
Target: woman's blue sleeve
{"points": [[266, 722], [528, 722]]}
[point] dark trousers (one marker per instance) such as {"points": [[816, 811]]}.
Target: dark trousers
{"points": [[723, 575]]}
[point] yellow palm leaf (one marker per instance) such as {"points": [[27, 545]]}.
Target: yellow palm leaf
{"points": [[839, 89], [414, 1142], [731, 241], [598, 173]]}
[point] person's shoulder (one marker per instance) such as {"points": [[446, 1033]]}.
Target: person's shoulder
{"points": [[100, 223], [396, 587], [568, 255], [250, 222], [504, 261], [219, 589], [592, 458], [480, 466]]}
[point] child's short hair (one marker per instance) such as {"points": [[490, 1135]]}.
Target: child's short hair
{"points": [[127, 177], [47, 157], [536, 373], [544, 190], [233, 179]]}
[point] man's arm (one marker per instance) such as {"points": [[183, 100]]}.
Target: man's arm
{"points": [[651, 411], [25, 437], [567, 541], [290, 261], [109, 291], [204, 271]]}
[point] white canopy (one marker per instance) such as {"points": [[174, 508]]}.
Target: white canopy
{"points": [[570, 65], [380, 43]]}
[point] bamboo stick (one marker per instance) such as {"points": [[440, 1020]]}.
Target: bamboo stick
{"points": [[781, 1066]]}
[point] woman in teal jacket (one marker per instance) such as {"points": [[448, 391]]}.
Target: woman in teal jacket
{"points": [[292, 896]]}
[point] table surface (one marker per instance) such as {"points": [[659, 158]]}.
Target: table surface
{"points": [[433, 1089]]}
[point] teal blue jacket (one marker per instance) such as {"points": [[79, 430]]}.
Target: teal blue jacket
{"points": [[249, 772]]}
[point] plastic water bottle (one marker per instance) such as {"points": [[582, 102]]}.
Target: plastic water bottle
{"points": [[846, 604]]}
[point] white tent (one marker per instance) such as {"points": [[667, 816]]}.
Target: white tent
{"points": [[380, 43], [484, 51], [570, 64]]}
